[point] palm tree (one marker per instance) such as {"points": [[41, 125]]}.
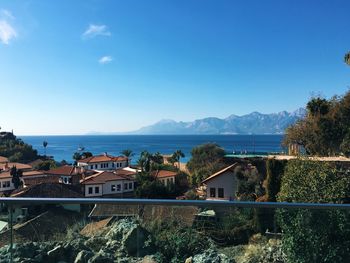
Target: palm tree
{"points": [[128, 154], [347, 58], [45, 145], [177, 155], [145, 161]]}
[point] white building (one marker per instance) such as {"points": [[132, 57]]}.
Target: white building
{"points": [[103, 162], [6, 177], [222, 185], [108, 183]]}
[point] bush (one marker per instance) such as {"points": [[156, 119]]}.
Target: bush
{"points": [[312, 235]]}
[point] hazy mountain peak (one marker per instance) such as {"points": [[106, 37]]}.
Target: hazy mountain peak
{"points": [[252, 123]]}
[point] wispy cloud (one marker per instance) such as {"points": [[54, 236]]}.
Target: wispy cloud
{"points": [[105, 60], [7, 31], [96, 30]]}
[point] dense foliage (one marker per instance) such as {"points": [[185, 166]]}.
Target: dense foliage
{"points": [[274, 171], [325, 130], [206, 159], [315, 235], [16, 150]]}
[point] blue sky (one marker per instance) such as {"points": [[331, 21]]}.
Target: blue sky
{"points": [[70, 67]]}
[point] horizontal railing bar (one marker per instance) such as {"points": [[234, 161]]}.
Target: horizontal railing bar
{"points": [[171, 202]]}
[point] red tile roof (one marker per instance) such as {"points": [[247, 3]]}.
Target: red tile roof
{"points": [[228, 168], [66, 170], [164, 173], [3, 159], [49, 190], [103, 177], [103, 158]]}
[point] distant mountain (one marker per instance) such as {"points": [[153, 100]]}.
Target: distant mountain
{"points": [[253, 123]]}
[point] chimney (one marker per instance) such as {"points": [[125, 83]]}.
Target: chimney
{"points": [[6, 166]]}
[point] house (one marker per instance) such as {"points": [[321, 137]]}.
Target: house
{"points": [[109, 183], [6, 184], [3, 160], [165, 177], [103, 162], [222, 185], [67, 174]]}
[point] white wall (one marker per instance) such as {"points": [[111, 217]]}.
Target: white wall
{"points": [[2, 181], [103, 166], [93, 190], [227, 181], [107, 187]]}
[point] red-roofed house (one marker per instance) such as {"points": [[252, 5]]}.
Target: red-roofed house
{"points": [[67, 174], [222, 185], [6, 178], [103, 162], [108, 183], [165, 177]]}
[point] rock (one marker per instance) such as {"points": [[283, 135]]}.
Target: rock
{"points": [[56, 254], [148, 259], [188, 260], [211, 256], [101, 257], [83, 256], [95, 243], [135, 240]]}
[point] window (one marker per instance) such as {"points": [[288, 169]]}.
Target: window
{"points": [[167, 181], [97, 189], [113, 165], [107, 164], [212, 192], [119, 187], [91, 167], [130, 185], [90, 190], [112, 187], [125, 186], [221, 192], [6, 184], [95, 166]]}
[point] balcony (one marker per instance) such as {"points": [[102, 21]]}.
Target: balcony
{"points": [[146, 230]]}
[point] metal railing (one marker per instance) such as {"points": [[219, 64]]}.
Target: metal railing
{"points": [[170, 202]]}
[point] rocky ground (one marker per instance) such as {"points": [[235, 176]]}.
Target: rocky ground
{"points": [[127, 241]]}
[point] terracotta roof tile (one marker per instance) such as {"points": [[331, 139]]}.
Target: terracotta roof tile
{"points": [[103, 177], [3, 159], [103, 158], [164, 173]]}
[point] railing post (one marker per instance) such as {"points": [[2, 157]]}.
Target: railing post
{"points": [[11, 232]]}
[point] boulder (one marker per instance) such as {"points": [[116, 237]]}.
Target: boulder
{"points": [[56, 254], [83, 256], [101, 257], [210, 256], [134, 239]]}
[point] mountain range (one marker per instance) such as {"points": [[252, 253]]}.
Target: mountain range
{"points": [[253, 123]]}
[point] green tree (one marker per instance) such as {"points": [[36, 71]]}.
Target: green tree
{"points": [[128, 154], [76, 157], [347, 58], [177, 155], [46, 165], [206, 159], [324, 129], [45, 143], [16, 177], [314, 235]]}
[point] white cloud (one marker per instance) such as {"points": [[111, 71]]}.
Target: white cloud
{"points": [[7, 31], [6, 14], [96, 30], [105, 60]]}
